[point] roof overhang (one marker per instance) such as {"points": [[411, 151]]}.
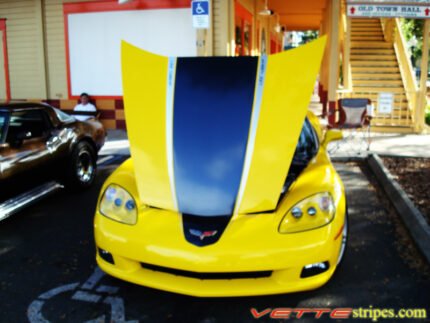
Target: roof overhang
{"points": [[299, 14]]}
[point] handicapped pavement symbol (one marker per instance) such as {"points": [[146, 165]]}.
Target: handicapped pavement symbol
{"points": [[90, 292]]}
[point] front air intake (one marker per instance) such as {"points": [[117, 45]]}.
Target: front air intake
{"points": [[212, 275]]}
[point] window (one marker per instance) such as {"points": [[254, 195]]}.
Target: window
{"points": [[243, 31], [94, 31], [306, 149], [64, 117], [3, 123], [27, 124], [307, 146]]}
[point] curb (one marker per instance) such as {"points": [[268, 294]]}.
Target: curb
{"points": [[346, 159], [411, 216]]}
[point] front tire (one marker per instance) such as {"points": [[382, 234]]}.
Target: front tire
{"points": [[81, 167], [344, 238]]}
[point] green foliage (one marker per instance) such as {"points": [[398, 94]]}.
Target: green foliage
{"points": [[428, 115], [309, 35], [411, 28]]}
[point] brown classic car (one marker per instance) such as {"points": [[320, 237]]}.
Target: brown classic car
{"points": [[42, 149]]}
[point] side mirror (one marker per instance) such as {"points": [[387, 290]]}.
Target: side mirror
{"points": [[331, 135]]}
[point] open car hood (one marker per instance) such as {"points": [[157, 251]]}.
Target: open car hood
{"points": [[214, 136]]}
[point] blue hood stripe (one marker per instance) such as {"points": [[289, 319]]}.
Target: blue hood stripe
{"points": [[213, 102]]}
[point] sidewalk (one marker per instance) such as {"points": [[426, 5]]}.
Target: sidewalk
{"points": [[385, 144], [116, 143], [408, 145]]}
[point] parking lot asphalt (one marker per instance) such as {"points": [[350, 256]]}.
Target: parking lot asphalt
{"points": [[48, 271]]}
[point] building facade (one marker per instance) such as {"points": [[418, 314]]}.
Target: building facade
{"points": [[52, 50]]}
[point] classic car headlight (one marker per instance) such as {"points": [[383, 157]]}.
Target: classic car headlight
{"points": [[117, 204], [313, 212]]}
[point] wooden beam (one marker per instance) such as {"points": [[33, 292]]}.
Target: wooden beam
{"points": [[422, 101], [324, 66], [304, 22], [333, 75], [41, 49], [346, 56], [297, 5]]}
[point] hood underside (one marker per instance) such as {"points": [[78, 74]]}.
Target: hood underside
{"points": [[215, 136]]}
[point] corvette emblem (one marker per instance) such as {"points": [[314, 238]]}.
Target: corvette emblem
{"points": [[203, 234]]}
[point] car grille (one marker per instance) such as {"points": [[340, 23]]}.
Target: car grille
{"points": [[202, 275]]}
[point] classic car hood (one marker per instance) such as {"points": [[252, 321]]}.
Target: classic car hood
{"points": [[214, 136]]}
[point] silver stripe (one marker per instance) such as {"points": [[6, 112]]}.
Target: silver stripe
{"points": [[17, 203], [253, 129], [169, 126]]}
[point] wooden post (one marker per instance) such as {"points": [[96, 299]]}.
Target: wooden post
{"points": [[201, 42], [422, 102], [324, 74], [41, 42], [346, 56], [231, 27], [389, 30], [333, 75], [323, 77]]}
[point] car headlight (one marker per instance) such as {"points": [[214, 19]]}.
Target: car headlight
{"points": [[313, 212], [117, 204]]}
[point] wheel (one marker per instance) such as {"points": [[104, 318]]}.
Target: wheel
{"points": [[344, 239], [81, 167]]}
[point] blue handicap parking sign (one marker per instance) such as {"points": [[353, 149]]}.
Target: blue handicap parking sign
{"points": [[200, 8]]}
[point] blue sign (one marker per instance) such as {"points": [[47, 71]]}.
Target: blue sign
{"points": [[200, 12], [200, 7]]}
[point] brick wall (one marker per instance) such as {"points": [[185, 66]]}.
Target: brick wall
{"points": [[111, 111]]}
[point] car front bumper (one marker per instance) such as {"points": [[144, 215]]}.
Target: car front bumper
{"points": [[249, 244]]}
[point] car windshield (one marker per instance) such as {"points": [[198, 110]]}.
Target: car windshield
{"points": [[306, 149], [64, 117], [307, 145], [3, 121]]}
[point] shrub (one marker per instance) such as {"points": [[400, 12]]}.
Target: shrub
{"points": [[428, 115]]}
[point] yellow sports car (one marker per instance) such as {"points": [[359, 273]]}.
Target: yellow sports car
{"points": [[229, 190]]}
